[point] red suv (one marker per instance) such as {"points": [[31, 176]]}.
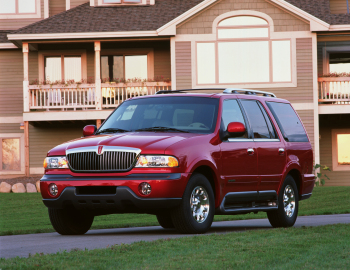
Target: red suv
{"points": [[183, 156]]}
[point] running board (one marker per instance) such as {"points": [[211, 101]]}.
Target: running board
{"points": [[250, 201]]}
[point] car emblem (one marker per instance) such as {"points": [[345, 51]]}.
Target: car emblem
{"points": [[100, 148]]}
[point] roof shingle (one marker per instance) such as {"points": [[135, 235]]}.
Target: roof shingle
{"points": [[3, 36]]}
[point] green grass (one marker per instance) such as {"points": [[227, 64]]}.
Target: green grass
{"points": [[25, 213], [324, 247]]}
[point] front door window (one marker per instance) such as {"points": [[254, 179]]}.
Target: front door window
{"points": [[10, 154]]}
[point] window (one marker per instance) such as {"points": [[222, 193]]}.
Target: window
{"points": [[63, 67], [288, 122], [257, 120], [341, 150], [243, 53], [11, 153], [339, 62], [17, 6], [124, 67], [121, 1], [231, 112]]}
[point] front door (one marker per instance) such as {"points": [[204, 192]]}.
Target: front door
{"points": [[239, 155]]}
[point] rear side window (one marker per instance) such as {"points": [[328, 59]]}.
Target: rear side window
{"points": [[288, 121]]}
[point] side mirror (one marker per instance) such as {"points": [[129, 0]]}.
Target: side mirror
{"points": [[235, 129], [89, 130]]}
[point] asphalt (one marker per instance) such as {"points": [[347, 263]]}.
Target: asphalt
{"points": [[24, 245]]}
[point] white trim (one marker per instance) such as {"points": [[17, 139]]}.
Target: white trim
{"points": [[333, 109], [242, 13], [173, 63], [152, 2], [20, 136], [46, 9], [67, 4], [92, 3], [8, 46], [170, 28], [303, 106], [37, 13], [37, 170], [315, 97], [11, 120], [66, 115], [340, 27], [93, 35]]}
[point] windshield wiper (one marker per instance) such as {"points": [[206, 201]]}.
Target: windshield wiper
{"points": [[112, 130], [162, 129]]}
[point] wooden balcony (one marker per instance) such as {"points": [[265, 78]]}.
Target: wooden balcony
{"points": [[334, 90], [88, 96]]}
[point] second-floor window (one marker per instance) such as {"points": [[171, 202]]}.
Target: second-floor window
{"points": [[17, 6], [63, 67]]}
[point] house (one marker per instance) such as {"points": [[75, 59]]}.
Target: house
{"points": [[68, 63]]}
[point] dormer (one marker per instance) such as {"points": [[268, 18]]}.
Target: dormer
{"points": [[115, 3]]}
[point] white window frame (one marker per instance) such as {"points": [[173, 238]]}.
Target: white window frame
{"points": [[43, 54], [101, 3], [335, 165], [36, 14], [19, 136]]}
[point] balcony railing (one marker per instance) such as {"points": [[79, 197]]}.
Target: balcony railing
{"points": [[334, 90], [86, 96]]}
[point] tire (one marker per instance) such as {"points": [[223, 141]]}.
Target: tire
{"points": [[198, 190], [285, 216], [70, 221], [165, 221]]}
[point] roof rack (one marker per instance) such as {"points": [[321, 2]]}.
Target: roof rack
{"points": [[225, 91]]}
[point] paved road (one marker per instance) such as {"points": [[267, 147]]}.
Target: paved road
{"points": [[23, 245]]}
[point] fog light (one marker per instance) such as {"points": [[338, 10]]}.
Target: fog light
{"points": [[145, 188], [53, 189]]}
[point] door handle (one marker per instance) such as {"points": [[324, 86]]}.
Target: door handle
{"points": [[281, 151], [250, 151]]}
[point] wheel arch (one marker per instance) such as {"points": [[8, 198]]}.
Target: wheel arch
{"points": [[295, 173]]}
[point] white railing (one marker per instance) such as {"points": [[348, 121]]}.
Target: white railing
{"points": [[334, 90], [83, 96]]}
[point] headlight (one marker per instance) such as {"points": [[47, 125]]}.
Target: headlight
{"points": [[55, 163], [157, 161]]}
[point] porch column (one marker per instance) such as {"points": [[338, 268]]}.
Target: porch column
{"points": [[98, 75], [26, 148], [26, 77]]}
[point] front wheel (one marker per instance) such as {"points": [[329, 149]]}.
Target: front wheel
{"points": [[70, 221], [195, 214], [288, 205]]}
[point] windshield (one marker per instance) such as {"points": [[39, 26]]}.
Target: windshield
{"points": [[169, 113]]}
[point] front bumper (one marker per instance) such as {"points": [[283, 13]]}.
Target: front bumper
{"points": [[167, 190]]}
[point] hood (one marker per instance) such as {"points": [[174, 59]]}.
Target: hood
{"points": [[148, 142]]}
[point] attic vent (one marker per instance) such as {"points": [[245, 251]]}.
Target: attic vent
{"points": [[339, 6]]}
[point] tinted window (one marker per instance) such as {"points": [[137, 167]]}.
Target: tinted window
{"points": [[192, 114], [273, 134], [256, 119], [289, 123], [231, 112]]}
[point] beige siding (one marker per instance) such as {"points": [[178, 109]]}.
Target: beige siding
{"points": [[10, 128], [303, 93], [48, 135], [327, 123], [307, 117], [74, 3], [11, 24], [183, 65], [202, 23], [56, 6], [11, 83], [162, 66], [338, 6]]}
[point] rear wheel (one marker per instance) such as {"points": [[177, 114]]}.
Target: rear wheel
{"points": [[288, 205], [195, 214], [165, 221], [70, 221]]}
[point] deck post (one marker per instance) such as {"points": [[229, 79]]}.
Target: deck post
{"points": [[26, 77], [26, 148], [98, 75]]}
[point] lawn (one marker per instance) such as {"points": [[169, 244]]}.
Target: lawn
{"points": [[324, 247], [25, 213]]}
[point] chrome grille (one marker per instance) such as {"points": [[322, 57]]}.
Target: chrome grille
{"points": [[107, 161]]}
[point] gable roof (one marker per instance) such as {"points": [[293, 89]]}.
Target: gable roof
{"points": [[321, 9], [84, 18]]}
